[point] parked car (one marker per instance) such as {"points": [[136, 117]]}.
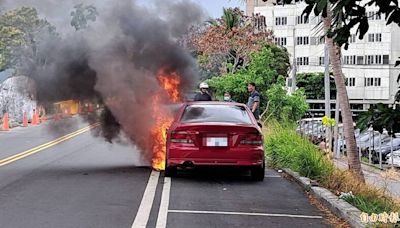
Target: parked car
{"points": [[396, 158], [215, 134], [373, 143], [386, 149]]}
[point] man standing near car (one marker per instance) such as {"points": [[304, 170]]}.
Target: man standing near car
{"points": [[203, 94], [254, 100]]}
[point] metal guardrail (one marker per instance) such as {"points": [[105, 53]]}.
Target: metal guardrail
{"points": [[375, 149]]}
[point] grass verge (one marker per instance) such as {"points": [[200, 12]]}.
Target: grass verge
{"points": [[285, 148]]}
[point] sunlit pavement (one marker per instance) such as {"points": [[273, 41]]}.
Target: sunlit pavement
{"points": [[85, 182]]}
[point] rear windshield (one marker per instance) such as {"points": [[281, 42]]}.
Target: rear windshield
{"points": [[215, 113]]}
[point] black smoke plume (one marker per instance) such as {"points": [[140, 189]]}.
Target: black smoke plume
{"points": [[115, 61]]}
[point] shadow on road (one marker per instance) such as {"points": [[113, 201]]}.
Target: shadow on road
{"points": [[215, 174]]}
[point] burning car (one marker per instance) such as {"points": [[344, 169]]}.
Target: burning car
{"points": [[215, 134]]}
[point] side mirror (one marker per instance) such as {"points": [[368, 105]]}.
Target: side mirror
{"points": [[259, 124]]}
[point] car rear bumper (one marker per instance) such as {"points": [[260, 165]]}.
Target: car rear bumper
{"points": [[213, 162], [216, 158]]}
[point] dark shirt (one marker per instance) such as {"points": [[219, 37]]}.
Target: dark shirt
{"points": [[254, 97], [202, 97]]}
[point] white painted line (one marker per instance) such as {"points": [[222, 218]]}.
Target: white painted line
{"points": [[163, 212], [143, 213], [272, 176], [245, 213]]}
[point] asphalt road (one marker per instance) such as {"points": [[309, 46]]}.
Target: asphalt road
{"points": [[82, 181]]}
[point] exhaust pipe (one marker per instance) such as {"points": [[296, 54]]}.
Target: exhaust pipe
{"points": [[187, 164]]}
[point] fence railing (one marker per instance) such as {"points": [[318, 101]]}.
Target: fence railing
{"points": [[374, 148]]}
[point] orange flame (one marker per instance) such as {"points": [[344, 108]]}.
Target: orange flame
{"points": [[170, 83]]}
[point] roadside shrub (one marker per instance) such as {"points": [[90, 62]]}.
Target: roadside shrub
{"points": [[367, 205], [287, 149], [367, 198]]}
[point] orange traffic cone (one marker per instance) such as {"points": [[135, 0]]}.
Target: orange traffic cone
{"points": [[34, 119], [25, 120], [6, 124]]}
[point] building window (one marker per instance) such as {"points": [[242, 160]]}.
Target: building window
{"points": [[373, 15], [351, 82], [378, 59], [302, 61], [356, 106], [303, 40], [370, 15], [385, 59], [370, 60], [321, 60], [371, 37], [281, 21], [280, 41], [352, 38], [378, 37], [350, 60], [369, 81], [373, 82], [377, 81], [306, 61], [375, 37], [301, 20], [360, 60], [353, 60]]}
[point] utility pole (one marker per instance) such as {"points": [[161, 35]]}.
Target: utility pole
{"points": [[336, 129], [293, 87], [327, 95], [327, 83]]}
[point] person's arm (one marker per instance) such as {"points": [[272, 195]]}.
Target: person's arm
{"points": [[256, 103]]}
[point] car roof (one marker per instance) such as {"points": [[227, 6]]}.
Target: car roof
{"points": [[214, 103]]}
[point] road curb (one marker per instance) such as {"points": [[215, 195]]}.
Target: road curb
{"points": [[338, 206]]}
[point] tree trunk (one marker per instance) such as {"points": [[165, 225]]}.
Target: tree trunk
{"points": [[348, 128]]}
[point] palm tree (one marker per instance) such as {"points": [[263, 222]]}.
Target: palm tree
{"points": [[231, 18], [348, 127]]}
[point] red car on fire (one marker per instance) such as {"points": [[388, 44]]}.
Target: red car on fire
{"points": [[215, 134]]}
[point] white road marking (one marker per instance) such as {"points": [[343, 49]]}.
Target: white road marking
{"points": [[272, 176], [163, 212], [245, 213], [143, 213]]}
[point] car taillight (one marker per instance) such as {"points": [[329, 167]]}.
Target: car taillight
{"points": [[182, 137], [252, 139]]}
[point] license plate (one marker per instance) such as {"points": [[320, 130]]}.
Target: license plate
{"points": [[214, 141]]}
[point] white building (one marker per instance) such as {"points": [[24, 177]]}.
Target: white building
{"points": [[368, 64]]}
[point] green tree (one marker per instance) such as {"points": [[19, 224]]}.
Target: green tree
{"points": [[264, 69], [282, 106], [311, 83], [381, 117], [22, 33], [82, 15]]}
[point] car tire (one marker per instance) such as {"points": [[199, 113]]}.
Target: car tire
{"points": [[258, 173]]}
